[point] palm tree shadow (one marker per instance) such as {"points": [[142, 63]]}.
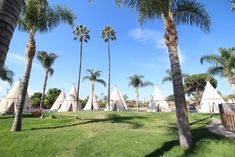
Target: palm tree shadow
{"points": [[164, 148], [198, 134], [113, 118]]}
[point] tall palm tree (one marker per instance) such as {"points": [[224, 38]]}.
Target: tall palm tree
{"points": [[9, 13], [81, 33], [37, 16], [94, 76], [6, 75], [168, 76], [174, 12], [223, 64], [233, 5], [109, 34], [137, 82], [47, 60]]}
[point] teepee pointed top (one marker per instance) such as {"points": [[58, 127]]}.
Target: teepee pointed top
{"points": [[157, 95], [210, 92]]}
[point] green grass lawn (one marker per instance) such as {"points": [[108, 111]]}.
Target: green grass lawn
{"points": [[109, 134]]}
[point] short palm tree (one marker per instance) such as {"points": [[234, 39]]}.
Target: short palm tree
{"points": [[47, 60], [137, 82], [6, 75], [168, 76], [37, 16], [223, 64], [82, 34], [174, 12], [94, 76], [109, 34]]}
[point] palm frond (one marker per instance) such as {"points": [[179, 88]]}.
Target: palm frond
{"points": [[166, 79], [214, 70], [147, 83], [192, 13], [101, 81], [6, 75]]}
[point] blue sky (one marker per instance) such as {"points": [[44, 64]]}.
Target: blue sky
{"points": [[138, 49]]}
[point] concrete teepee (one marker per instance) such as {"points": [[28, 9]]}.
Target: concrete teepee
{"points": [[158, 104], [59, 101], [70, 103], [210, 100], [8, 104], [92, 105], [117, 102]]}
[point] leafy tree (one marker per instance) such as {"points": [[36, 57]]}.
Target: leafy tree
{"points": [[109, 34], [125, 97], [35, 99], [195, 84], [9, 14], [82, 34], [168, 76], [83, 102], [174, 12], [94, 76], [170, 98], [47, 60], [6, 75], [137, 82], [37, 16], [51, 97], [222, 64]]}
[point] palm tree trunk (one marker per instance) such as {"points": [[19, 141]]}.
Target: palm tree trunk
{"points": [[44, 90], [137, 99], [79, 75], [197, 95], [9, 15], [109, 68], [92, 94], [232, 83], [171, 40], [30, 53]]}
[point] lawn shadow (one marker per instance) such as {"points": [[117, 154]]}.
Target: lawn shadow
{"points": [[113, 118], [198, 134]]}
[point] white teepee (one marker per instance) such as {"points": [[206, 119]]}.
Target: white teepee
{"points": [[8, 104], [158, 104], [92, 105], [117, 102], [210, 100], [58, 103], [70, 103]]}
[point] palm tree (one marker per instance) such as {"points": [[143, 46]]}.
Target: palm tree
{"points": [[37, 16], [81, 33], [137, 82], [174, 12], [6, 75], [108, 33], [223, 64], [47, 60], [9, 13], [233, 5], [168, 76], [93, 76]]}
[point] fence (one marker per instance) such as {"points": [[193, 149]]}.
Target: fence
{"points": [[227, 116]]}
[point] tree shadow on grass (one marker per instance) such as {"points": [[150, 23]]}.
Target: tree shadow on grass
{"points": [[113, 118], [198, 134]]}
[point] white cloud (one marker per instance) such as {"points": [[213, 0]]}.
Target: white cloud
{"points": [[152, 37], [21, 58], [148, 36]]}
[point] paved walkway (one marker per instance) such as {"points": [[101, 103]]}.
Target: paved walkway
{"points": [[216, 127]]}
